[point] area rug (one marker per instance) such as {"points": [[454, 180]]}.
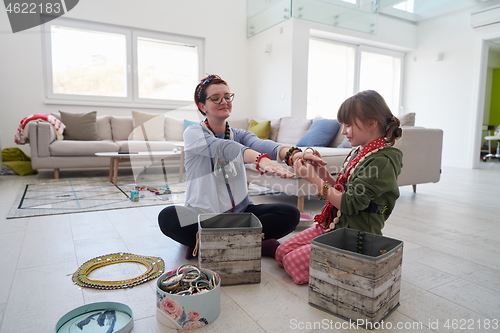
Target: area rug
{"points": [[40, 197]]}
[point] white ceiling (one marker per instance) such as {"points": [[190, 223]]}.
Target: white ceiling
{"points": [[425, 9]]}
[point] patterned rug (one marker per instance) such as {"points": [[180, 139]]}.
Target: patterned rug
{"points": [[76, 195]]}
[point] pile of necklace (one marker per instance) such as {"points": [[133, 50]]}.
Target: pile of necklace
{"points": [[187, 280], [154, 268], [360, 237]]}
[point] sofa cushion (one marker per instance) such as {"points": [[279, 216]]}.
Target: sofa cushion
{"points": [[261, 129], [188, 123], [121, 127], [174, 128], [104, 127], [80, 126], [408, 119], [81, 148], [148, 126], [344, 144], [292, 129], [238, 123], [131, 145], [320, 134], [275, 127]]}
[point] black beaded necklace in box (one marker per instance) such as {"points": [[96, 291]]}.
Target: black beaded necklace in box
{"points": [[359, 241]]}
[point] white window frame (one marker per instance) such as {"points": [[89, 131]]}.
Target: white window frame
{"points": [[132, 98], [357, 67], [395, 54]]}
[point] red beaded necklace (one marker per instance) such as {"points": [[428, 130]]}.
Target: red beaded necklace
{"points": [[329, 211]]}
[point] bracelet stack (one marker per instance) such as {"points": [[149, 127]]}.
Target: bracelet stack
{"points": [[324, 191], [305, 153], [257, 161], [289, 154]]}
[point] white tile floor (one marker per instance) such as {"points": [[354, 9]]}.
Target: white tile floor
{"points": [[451, 264]]}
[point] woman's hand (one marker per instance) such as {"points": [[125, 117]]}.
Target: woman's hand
{"points": [[267, 165]]}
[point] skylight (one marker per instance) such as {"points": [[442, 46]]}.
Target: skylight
{"points": [[406, 6]]}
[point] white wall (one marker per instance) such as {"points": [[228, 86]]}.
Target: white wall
{"points": [[271, 73], [445, 94], [280, 78], [221, 22]]}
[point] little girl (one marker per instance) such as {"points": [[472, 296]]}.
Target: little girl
{"points": [[363, 194]]}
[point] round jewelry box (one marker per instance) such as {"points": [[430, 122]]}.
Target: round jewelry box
{"points": [[183, 310], [106, 317]]}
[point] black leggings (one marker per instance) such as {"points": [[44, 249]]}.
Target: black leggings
{"points": [[181, 223]]}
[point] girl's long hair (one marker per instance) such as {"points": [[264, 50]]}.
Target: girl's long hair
{"points": [[370, 105]]}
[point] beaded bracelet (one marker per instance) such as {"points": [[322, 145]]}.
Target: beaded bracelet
{"points": [[257, 161], [303, 161], [289, 154], [324, 191], [290, 161]]}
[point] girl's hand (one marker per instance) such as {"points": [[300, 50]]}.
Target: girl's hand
{"points": [[313, 157], [271, 166], [309, 155], [322, 172], [304, 170]]}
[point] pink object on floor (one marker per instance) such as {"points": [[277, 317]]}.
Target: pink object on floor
{"points": [[306, 217]]}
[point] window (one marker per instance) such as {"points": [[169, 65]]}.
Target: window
{"points": [[381, 71], [91, 63], [336, 71], [330, 77], [406, 6]]}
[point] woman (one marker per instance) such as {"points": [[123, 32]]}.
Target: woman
{"points": [[215, 157], [364, 193]]}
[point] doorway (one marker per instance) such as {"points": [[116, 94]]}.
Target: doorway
{"points": [[489, 58]]}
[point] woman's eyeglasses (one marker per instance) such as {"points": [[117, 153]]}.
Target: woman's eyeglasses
{"points": [[217, 99]]}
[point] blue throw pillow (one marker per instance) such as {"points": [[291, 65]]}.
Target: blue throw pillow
{"points": [[188, 123], [320, 134]]}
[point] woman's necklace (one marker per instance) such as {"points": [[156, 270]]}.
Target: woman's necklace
{"points": [[227, 133], [221, 164]]}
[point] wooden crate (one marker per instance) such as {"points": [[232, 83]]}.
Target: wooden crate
{"points": [[230, 245], [369, 294]]}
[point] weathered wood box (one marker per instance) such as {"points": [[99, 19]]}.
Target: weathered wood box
{"points": [[366, 295], [230, 245]]}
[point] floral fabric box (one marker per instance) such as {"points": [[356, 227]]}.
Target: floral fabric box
{"points": [[355, 275], [230, 244], [187, 311]]}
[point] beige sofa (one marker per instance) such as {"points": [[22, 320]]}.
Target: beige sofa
{"points": [[115, 134], [421, 149]]}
